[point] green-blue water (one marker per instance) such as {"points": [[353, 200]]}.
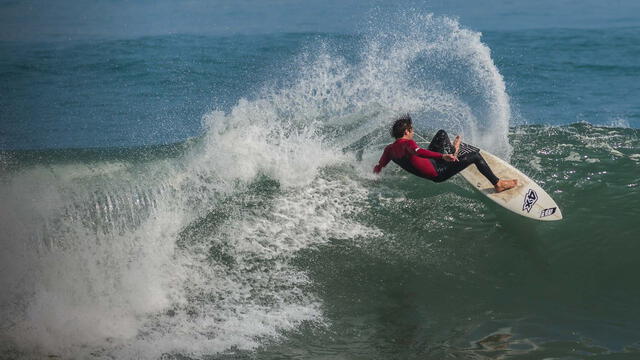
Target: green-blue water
{"points": [[208, 194]]}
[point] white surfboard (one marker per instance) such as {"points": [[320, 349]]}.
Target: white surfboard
{"points": [[527, 199]]}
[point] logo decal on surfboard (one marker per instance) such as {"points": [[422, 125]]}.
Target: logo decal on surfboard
{"points": [[529, 200], [547, 212]]}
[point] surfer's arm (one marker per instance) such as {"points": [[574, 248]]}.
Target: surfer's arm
{"points": [[432, 154], [428, 153], [425, 153], [384, 160], [413, 147]]}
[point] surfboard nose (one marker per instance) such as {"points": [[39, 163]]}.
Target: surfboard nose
{"points": [[559, 214]]}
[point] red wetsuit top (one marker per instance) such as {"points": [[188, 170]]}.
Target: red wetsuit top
{"points": [[410, 157]]}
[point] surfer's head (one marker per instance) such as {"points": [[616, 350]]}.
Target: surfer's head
{"points": [[401, 126]]}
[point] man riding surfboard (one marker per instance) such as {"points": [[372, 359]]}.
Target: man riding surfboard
{"points": [[439, 162]]}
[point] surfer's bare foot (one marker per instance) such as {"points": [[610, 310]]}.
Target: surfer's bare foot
{"points": [[503, 185], [456, 145]]}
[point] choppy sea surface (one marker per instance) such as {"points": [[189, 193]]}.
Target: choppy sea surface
{"points": [[210, 196]]}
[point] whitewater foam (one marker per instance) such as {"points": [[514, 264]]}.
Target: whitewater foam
{"points": [[193, 254]]}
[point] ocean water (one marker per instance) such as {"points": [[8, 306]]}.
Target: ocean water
{"points": [[193, 181]]}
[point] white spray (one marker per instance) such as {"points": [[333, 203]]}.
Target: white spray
{"points": [[193, 255]]}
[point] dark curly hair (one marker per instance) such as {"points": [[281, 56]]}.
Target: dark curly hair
{"points": [[401, 125]]}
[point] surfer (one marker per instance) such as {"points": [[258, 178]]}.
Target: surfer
{"points": [[439, 162]]}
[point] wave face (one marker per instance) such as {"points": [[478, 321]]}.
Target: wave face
{"points": [[268, 234]]}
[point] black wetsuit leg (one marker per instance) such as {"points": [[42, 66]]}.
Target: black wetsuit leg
{"points": [[441, 143], [447, 169]]}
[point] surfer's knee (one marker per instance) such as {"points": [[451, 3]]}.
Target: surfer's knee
{"points": [[475, 157], [470, 158]]}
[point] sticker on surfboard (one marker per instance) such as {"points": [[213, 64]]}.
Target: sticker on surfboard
{"points": [[529, 200]]}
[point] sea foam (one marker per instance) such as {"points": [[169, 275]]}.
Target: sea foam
{"points": [[193, 255]]}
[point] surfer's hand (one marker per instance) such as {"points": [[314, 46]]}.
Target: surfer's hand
{"points": [[449, 157], [377, 169]]}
